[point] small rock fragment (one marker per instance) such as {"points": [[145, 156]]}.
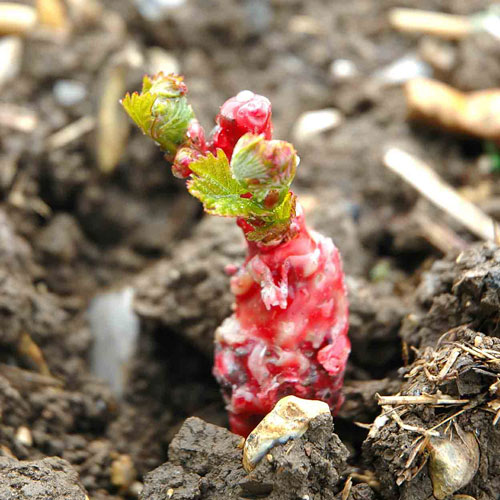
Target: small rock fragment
{"points": [[408, 67], [289, 419], [16, 19], [452, 463], [123, 472], [23, 436], [11, 51], [343, 69], [69, 92], [157, 10], [314, 123], [115, 328], [112, 129]]}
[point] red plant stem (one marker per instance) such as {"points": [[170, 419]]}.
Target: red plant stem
{"points": [[288, 334]]}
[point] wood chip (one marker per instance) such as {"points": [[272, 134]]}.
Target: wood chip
{"points": [[447, 26], [16, 19], [346, 490], [71, 132], [28, 349], [428, 183], [52, 14]]}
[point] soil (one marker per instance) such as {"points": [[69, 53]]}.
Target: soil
{"points": [[69, 231]]}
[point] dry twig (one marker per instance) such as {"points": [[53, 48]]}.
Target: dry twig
{"points": [[429, 184]]}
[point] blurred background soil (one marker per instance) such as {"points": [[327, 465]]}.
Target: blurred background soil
{"points": [[88, 205]]}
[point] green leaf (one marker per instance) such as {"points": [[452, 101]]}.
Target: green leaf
{"points": [[213, 184], [139, 108], [246, 163], [273, 227], [264, 166], [161, 110], [171, 123]]}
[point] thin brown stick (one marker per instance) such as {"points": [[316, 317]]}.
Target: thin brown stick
{"points": [[448, 26], [428, 183], [71, 132], [419, 400]]}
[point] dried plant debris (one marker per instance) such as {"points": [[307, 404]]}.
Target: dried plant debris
{"points": [[463, 290], [439, 435]]}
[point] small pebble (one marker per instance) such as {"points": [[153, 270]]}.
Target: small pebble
{"points": [[157, 10], [406, 68], [11, 52], [23, 436], [123, 472], [343, 69], [115, 328], [313, 123], [69, 92], [259, 16]]}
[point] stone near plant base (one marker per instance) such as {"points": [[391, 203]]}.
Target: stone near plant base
{"points": [[452, 463], [206, 463], [289, 419], [49, 479]]}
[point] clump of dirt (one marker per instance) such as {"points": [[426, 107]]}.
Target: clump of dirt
{"points": [[458, 290], [206, 463], [450, 396], [45, 479], [189, 294]]}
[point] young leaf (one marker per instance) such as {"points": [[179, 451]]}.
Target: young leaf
{"points": [[161, 110], [272, 228], [213, 184], [139, 107], [263, 166]]}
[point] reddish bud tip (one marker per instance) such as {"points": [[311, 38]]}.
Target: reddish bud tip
{"points": [[244, 113], [184, 157], [196, 134]]}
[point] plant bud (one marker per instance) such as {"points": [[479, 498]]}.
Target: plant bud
{"points": [[267, 168], [184, 157]]}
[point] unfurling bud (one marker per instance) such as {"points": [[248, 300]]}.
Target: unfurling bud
{"points": [[184, 157], [161, 111], [266, 168]]}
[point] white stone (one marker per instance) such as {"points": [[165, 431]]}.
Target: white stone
{"points": [[23, 436], [11, 53], [69, 92], [313, 123], [289, 419], [400, 71], [343, 69], [157, 10], [115, 328]]}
